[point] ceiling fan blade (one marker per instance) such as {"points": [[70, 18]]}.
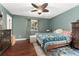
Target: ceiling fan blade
{"points": [[44, 5], [33, 10], [34, 5], [45, 10]]}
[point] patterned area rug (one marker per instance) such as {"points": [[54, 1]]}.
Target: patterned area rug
{"points": [[63, 51]]}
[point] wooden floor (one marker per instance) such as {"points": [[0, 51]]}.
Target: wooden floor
{"points": [[21, 48]]}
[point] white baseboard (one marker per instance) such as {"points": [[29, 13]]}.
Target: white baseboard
{"points": [[21, 39]]}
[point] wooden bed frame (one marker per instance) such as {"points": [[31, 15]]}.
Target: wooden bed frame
{"points": [[54, 46]]}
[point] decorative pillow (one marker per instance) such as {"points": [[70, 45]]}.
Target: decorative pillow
{"points": [[68, 33], [58, 31], [63, 32]]}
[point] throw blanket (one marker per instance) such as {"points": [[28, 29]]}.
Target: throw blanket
{"points": [[54, 38]]}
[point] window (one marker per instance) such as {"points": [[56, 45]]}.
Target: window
{"points": [[34, 25], [9, 22]]}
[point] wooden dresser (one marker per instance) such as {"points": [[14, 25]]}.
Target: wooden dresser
{"points": [[75, 34], [5, 40]]}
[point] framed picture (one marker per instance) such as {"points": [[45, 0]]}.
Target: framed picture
{"points": [[34, 25]]}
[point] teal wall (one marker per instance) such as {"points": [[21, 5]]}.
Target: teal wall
{"points": [[43, 25], [64, 20], [21, 26], [4, 18]]}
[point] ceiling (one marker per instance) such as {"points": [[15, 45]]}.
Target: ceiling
{"points": [[24, 9]]}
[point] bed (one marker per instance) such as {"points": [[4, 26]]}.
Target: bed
{"points": [[52, 40]]}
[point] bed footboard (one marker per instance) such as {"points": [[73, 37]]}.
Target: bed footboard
{"points": [[55, 46]]}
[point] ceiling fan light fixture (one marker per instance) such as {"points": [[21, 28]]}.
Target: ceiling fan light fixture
{"points": [[40, 8], [39, 11]]}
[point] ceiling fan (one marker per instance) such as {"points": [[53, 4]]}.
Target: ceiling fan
{"points": [[40, 8]]}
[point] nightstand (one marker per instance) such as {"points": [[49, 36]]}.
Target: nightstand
{"points": [[32, 38]]}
